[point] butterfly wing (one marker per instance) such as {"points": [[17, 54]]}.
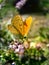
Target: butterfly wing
{"points": [[17, 22], [12, 29], [27, 25]]}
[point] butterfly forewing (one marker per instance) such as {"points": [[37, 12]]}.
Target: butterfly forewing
{"points": [[17, 22], [27, 25]]}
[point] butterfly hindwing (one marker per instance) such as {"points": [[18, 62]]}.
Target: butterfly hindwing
{"points": [[12, 29]]}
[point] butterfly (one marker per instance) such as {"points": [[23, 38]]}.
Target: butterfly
{"points": [[18, 26]]}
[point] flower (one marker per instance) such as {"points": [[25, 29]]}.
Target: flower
{"points": [[21, 51], [13, 63], [13, 46], [48, 45], [38, 45], [20, 46], [26, 44], [16, 43], [20, 4], [10, 46], [16, 50], [17, 47], [33, 44]]}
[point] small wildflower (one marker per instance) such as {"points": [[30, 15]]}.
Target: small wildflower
{"points": [[16, 43], [7, 54], [13, 63], [32, 44], [26, 44], [21, 51], [47, 45], [20, 46], [1, 56], [10, 46], [16, 50], [39, 58], [13, 46], [27, 62], [38, 46], [20, 4]]}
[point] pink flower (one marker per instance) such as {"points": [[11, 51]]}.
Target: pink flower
{"points": [[16, 50], [16, 43], [13, 46], [38, 46], [21, 51], [20, 46], [20, 4]]}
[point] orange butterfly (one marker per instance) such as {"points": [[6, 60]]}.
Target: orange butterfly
{"points": [[18, 26]]}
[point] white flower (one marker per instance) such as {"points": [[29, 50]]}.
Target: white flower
{"points": [[32, 44], [47, 45], [10, 46], [16, 50], [7, 54], [1, 56], [13, 63]]}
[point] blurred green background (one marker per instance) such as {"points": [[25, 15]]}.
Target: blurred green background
{"points": [[40, 26], [8, 6]]}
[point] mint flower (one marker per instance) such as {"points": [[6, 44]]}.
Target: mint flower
{"points": [[20, 4]]}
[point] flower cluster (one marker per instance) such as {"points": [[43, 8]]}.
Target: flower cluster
{"points": [[23, 50], [17, 47], [20, 4], [26, 50]]}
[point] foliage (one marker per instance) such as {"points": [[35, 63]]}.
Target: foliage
{"points": [[7, 9], [45, 3], [5, 36], [44, 32], [31, 56], [46, 62], [1, 1], [44, 6], [7, 5]]}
